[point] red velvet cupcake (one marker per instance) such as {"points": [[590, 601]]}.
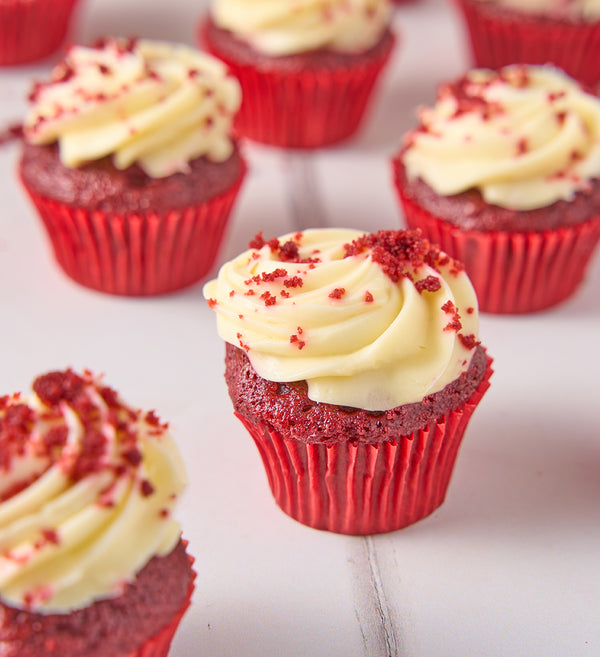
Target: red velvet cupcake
{"points": [[503, 173], [566, 34], [353, 361], [130, 162], [308, 72], [83, 474], [33, 29]]}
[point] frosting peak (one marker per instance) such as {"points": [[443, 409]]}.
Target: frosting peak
{"points": [[148, 102], [525, 137], [369, 321], [81, 476], [280, 28]]}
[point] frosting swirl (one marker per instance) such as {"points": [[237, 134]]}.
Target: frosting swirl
{"points": [[525, 137], [576, 10], [82, 475], [369, 321], [283, 28], [148, 102]]}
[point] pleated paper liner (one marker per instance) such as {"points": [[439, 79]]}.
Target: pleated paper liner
{"points": [[359, 488], [302, 109], [160, 643], [32, 29], [138, 254], [513, 273], [500, 37]]}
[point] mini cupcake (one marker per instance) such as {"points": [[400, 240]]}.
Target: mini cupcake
{"points": [[503, 173], [353, 361], [32, 29], [307, 69], [91, 560], [129, 159], [566, 34]]}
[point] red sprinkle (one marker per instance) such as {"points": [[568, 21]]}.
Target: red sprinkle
{"points": [[337, 293], [468, 341], [294, 281], [146, 488], [429, 284]]}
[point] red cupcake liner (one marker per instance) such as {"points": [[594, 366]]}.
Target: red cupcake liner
{"points": [[512, 273], [137, 254], [32, 29], [302, 109], [359, 488], [160, 643], [506, 37]]}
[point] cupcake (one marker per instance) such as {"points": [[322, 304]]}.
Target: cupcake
{"points": [[129, 159], [91, 560], [307, 69], [503, 173], [353, 360], [32, 29], [566, 34]]}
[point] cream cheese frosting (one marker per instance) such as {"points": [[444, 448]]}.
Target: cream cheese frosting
{"points": [[576, 10], [87, 490], [525, 137], [370, 322], [156, 104], [278, 28]]}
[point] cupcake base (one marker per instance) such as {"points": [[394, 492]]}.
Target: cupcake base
{"points": [[361, 488], [32, 29], [500, 36], [513, 272], [300, 105], [160, 644], [138, 253]]}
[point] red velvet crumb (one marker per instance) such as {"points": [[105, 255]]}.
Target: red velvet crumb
{"points": [[430, 284], [146, 488]]}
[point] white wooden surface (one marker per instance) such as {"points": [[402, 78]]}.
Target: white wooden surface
{"points": [[507, 567]]}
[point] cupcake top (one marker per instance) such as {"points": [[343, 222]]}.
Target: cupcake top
{"points": [[369, 321], [87, 489], [576, 10], [152, 103], [524, 136], [278, 28]]}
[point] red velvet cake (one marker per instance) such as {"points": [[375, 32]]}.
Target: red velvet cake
{"points": [[353, 361], [298, 93], [92, 562], [502, 172], [132, 165]]}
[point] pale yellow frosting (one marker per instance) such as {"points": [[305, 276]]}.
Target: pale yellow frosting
{"points": [[77, 534], [154, 103], [276, 27], [577, 10], [525, 138], [342, 324]]}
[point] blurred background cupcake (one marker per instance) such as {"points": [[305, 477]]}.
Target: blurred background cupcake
{"points": [[354, 362], [503, 172], [307, 69], [33, 29], [91, 558], [130, 160], [564, 33]]}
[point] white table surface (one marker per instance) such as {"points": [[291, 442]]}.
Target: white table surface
{"points": [[509, 566]]}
